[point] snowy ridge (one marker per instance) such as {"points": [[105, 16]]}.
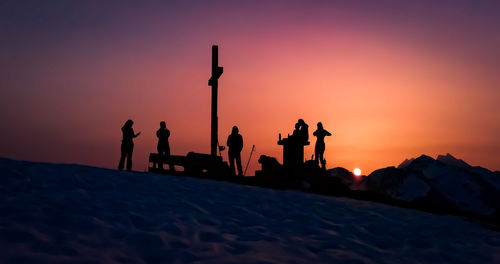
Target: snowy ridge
{"points": [[444, 182], [75, 214]]}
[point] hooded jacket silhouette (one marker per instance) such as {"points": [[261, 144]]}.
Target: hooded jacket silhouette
{"points": [[235, 144]]}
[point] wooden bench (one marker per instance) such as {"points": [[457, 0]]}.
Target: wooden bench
{"points": [[194, 164], [170, 161]]}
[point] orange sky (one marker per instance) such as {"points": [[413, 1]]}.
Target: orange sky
{"points": [[388, 85]]}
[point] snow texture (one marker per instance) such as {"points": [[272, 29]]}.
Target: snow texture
{"points": [[75, 214]]}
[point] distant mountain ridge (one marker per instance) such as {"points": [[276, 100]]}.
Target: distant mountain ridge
{"points": [[445, 182], [450, 160]]}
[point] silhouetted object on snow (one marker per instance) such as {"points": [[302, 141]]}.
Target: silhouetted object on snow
{"points": [[319, 148], [127, 146], [248, 162], [271, 172], [163, 146], [214, 82], [293, 146], [235, 144]]}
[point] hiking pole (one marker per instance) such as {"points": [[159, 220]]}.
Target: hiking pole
{"points": [[248, 162]]}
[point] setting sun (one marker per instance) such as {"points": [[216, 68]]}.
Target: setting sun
{"points": [[357, 171]]}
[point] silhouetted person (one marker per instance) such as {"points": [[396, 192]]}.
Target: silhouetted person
{"points": [[127, 145], [303, 130], [235, 144], [319, 149], [163, 147], [296, 131]]}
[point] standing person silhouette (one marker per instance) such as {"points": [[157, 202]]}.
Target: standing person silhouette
{"points": [[303, 131], [296, 131], [235, 144], [163, 147], [319, 149], [127, 145]]}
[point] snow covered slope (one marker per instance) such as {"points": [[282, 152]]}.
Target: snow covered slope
{"points": [[69, 213]]}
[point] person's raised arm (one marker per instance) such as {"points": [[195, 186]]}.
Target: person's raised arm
{"points": [[136, 135], [328, 133]]}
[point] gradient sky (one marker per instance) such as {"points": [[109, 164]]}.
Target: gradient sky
{"points": [[390, 79]]}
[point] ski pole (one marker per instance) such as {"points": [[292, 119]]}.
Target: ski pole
{"points": [[248, 162]]}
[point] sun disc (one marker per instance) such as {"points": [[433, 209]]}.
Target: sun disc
{"points": [[357, 171]]}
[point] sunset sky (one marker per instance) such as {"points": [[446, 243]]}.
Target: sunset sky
{"points": [[390, 79]]}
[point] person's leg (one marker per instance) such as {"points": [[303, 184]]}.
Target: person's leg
{"points": [[317, 153], [170, 161], [321, 150], [160, 157], [231, 162], [130, 150], [122, 157], [322, 159], [238, 163]]}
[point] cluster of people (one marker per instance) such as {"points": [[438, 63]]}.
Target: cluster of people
{"points": [[127, 146], [234, 143], [301, 132]]}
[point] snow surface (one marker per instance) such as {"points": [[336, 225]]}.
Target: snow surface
{"points": [[457, 186], [69, 213], [411, 189]]}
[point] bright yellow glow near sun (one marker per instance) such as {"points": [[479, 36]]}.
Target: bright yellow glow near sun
{"points": [[357, 171]]}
